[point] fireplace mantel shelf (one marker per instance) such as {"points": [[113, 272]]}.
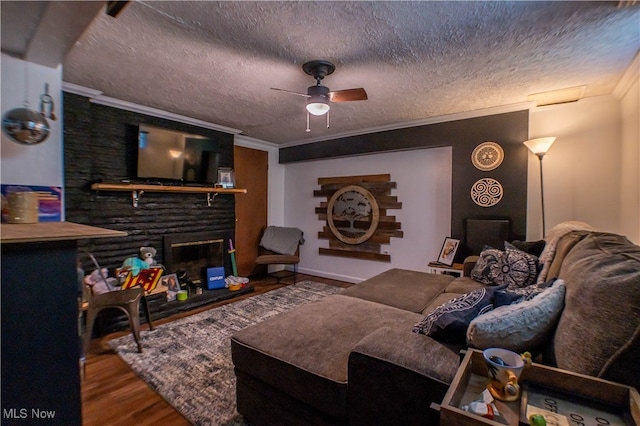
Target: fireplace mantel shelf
{"points": [[138, 189]]}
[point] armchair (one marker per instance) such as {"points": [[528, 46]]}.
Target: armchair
{"points": [[280, 246]]}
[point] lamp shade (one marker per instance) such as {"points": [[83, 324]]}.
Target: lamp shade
{"points": [[540, 146], [318, 105]]}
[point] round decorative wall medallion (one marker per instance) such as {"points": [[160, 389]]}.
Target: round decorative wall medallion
{"points": [[487, 156], [353, 214], [486, 192]]}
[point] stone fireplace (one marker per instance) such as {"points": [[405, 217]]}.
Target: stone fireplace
{"points": [[194, 253]]}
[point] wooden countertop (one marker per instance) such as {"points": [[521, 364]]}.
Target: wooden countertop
{"points": [[52, 231]]}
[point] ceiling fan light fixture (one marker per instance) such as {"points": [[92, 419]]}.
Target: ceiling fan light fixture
{"points": [[318, 105]]}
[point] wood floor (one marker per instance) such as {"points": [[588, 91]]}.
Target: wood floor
{"points": [[112, 394]]}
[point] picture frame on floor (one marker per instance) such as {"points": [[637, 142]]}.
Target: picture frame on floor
{"points": [[448, 251], [173, 285]]}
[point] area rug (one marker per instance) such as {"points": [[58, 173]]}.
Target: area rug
{"points": [[188, 361]]}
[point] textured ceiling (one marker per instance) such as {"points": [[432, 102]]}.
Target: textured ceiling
{"points": [[216, 61]]}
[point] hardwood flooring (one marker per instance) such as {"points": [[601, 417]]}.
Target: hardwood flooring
{"points": [[112, 394]]}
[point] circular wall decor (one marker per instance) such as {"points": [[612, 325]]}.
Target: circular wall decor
{"points": [[486, 192], [487, 156], [353, 214]]}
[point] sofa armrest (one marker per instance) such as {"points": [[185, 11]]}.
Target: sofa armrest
{"points": [[469, 263], [395, 375]]}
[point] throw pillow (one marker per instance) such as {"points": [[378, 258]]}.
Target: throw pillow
{"points": [[516, 268], [488, 266], [532, 247], [449, 321], [506, 297], [519, 327]]}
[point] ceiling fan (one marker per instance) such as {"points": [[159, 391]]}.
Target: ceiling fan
{"points": [[319, 97]]}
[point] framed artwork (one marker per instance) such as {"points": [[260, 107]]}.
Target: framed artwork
{"points": [[171, 282], [448, 252], [226, 178], [353, 214], [487, 156], [487, 192]]}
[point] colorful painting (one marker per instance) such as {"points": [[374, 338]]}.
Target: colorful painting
{"points": [[49, 201]]}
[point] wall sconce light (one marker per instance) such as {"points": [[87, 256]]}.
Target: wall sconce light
{"points": [[539, 147]]}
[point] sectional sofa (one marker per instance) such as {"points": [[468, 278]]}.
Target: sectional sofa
{"points": [[356, 358]]}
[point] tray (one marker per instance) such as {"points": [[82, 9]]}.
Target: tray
{"points": [[561, 409], [472, 377]]}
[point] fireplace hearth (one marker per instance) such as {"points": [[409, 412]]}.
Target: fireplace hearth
{"points": [[194, 253]]}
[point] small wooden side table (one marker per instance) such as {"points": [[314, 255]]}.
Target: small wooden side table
{"points": [[457, 269]]}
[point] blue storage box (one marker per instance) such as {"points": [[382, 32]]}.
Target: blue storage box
{"points": [[215, 278]]}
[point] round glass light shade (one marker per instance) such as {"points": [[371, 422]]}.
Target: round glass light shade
{"points": [[318, 107], [25, 126]]}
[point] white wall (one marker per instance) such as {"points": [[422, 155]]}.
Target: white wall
{"points": [[40, 164], [583, 169], [630, 161], [423, 186]]}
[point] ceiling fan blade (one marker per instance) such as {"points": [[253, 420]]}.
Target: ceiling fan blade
{"points": [[289, 91], [347, 95]]}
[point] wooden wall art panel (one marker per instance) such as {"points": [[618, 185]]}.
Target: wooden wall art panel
{"points": [[355, 213]]}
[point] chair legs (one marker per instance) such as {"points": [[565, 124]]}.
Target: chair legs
{"points": [[132, 309], [133, 312], [91, 317], [147, 313], [279, 275]]}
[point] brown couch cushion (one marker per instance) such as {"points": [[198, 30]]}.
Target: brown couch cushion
{"points": [[401, 288], [463, 285], [599, 331], [305, 352]]}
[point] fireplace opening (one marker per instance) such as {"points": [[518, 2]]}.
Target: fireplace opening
{"points": [[193, 253]]}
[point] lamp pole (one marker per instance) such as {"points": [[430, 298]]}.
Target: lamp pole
{"points": [[539, 147], [540, 155]]}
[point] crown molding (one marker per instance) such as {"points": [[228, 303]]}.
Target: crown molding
{"points": [[80, 90], [629, 77], [421, 122], [249, 142], [96, 97]]}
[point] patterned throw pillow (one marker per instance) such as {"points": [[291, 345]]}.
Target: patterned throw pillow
{"points": [[449, 321], [488, 266], [512, 267], [517, 268]]}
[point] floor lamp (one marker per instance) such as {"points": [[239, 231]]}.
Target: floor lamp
{"points": [[539, 147]]}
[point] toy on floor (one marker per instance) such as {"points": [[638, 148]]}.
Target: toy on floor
{"points": [[142, 270], [100, 282], [234, 283], [144, 260]]}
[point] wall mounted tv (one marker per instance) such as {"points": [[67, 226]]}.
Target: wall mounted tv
{"points": [[170, 155]]}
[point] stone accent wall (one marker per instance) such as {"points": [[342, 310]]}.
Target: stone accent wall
{"points": [[100, 145]]}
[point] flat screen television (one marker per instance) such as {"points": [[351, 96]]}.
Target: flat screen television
{"points": [[169, 155]]}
